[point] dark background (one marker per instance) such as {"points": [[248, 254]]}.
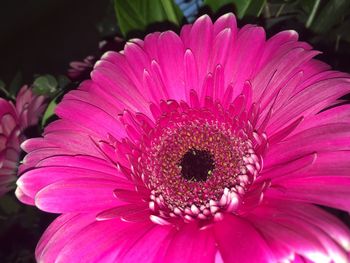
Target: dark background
{"points": [[43, 36], [40, 37]]}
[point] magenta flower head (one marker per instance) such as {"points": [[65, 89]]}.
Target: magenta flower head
{"points": [[213, 146], [14, 120]]}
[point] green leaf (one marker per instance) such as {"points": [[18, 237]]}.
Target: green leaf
{"points": [[331, 14], [15, 84], [45, 85], [312, 12], [63, 81], [255, 8], [50, 111], [3, 89], [242, 7], [137, 15], [343, 31]]}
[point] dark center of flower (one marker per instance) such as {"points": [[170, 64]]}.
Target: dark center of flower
{"points": [[198, 162], [192, 162], [197, 165]]}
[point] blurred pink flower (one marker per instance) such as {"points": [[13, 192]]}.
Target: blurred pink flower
{"points": [[211, 146], [14, 120], [80, 70]]}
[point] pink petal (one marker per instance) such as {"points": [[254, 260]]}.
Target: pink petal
{"points": [[36, 179], [330, 191], [325, 138], [139, 209], [129, 196], [314, 224], [77, 195], [290, 169], [334, 115], [79, 161], [59, 234], [91, 93], [189, 244], [335, 228], [113, 78], [75, 142], [170, 54], [278, 71], [133, 52], [247, 51], [23, 197], [226, 21], [325, 164], [149, 247], [239, 241], [113, 239], [200, 43], [305, 103], [32, 158], [292, 236], [92, 117], [278, 42], [34, 144]]}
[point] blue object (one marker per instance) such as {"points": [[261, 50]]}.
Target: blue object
{"points": [[189, 8]]}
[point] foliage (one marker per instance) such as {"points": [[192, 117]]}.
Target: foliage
{"points": [[137, 15], [242, 7]]}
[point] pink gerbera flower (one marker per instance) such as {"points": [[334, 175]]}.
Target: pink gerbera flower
{"points": [[211, 146], [14, 120]]}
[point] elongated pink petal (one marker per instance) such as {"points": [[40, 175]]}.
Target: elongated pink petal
{"points": [[59, 233], [170, 53], [82, 194], [146, 249], [94, 118], [105, 73], [248, 47], [125, 234], [23, 197], [305, 104], [78, 161], [78, 142], [325, 138], [291, 168], [323, 190], [124, 211], [34, 180], [189, 244], [334, 115], [201, 31], [239, 241], [311, 224]]}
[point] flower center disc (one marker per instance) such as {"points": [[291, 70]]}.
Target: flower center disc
{"points": [[191, 161], [197, 165]]}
